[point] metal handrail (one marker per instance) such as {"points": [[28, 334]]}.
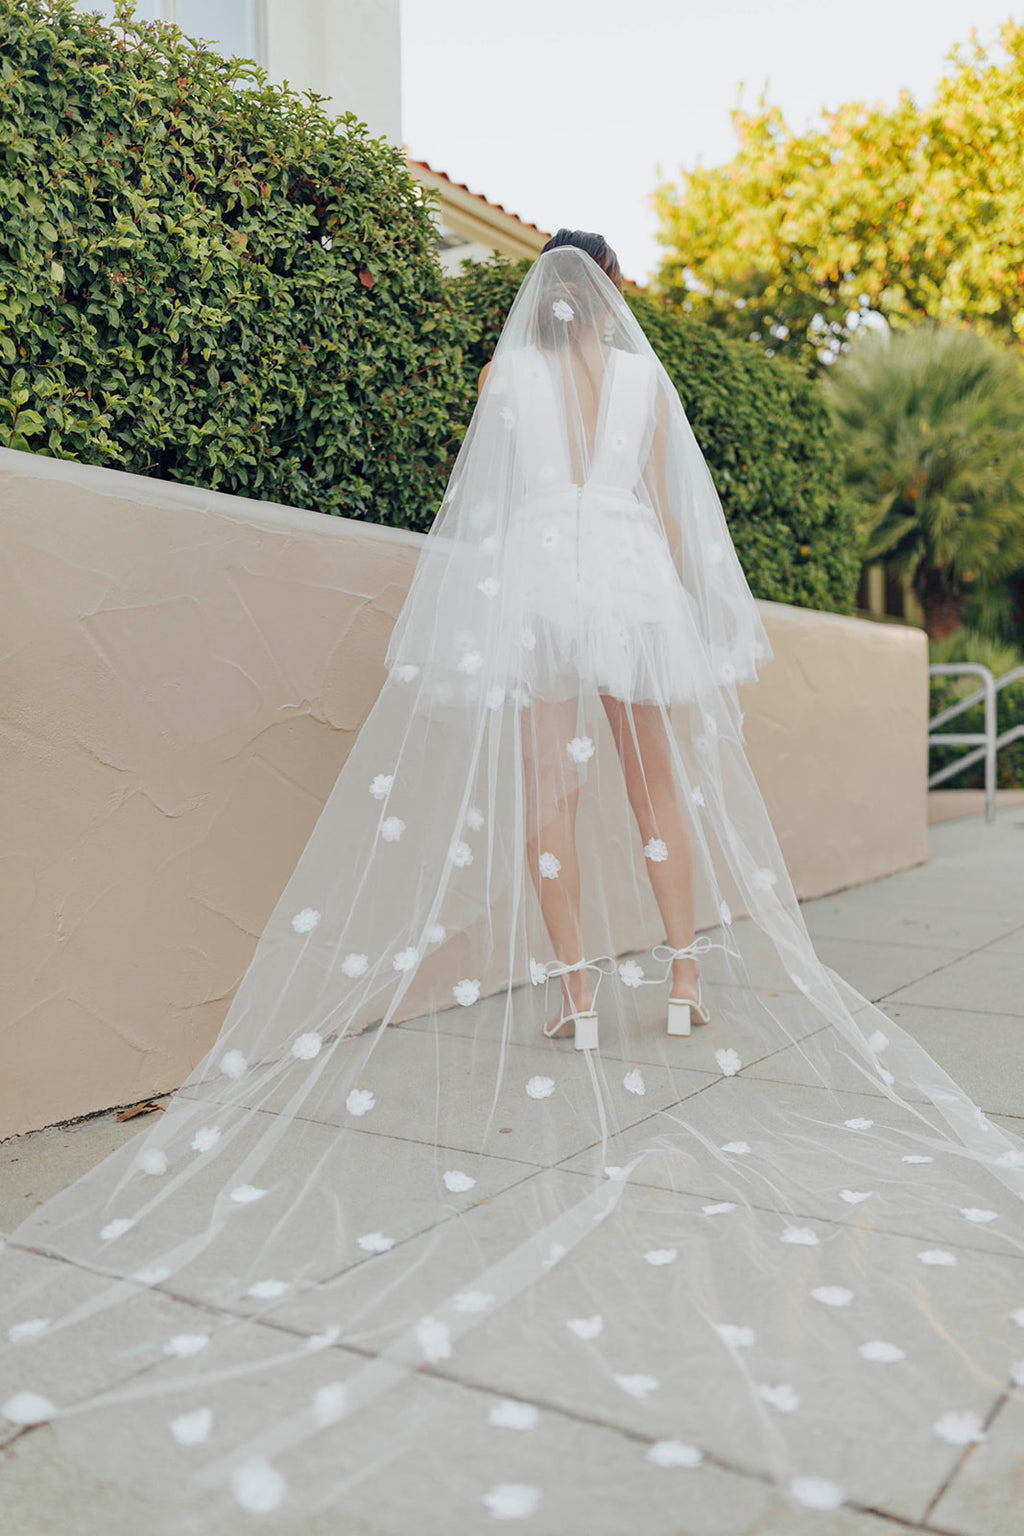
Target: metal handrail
{"points": [[987, 743]]}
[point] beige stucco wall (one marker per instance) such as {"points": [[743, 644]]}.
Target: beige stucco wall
{"points": [[183, 676]]}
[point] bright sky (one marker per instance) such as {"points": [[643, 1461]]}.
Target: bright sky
{"points": [[568, 111]]}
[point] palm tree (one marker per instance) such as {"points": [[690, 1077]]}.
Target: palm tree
{"points": [[933, 423]]}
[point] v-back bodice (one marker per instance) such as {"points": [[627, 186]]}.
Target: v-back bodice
{"points": [[538, 414]]}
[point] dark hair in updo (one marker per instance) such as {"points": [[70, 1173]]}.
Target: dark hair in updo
{"points": [[583, 298], [594, 245]]}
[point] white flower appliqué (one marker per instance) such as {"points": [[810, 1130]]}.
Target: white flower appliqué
{"points": [[434, 1338], [391, 828], [30, 1329], [507, 419], [307, 1046], [192, 1428], [466, 991], [233, 1064], [406, 672], [738, 1148], [360, 1101], [697, 795], [563, 311], [959, 1428], [155, 1276], [832, 1295], [268, 1290], [549, 866], [460, 854], [457, 1181], [724, 912], [881, 1351], [406, 960], [638, 1386], [474, 818], [512, 1501], [858, 1123], [247, 1194], [816, 1492], [258, 1486], [729, 1061], [631, 974], [470, 662], [658, 1256], [154, 1161], [656, 850], [586, 1328], [720, 1208], [206, 1138], [381, 784], [538, 972], [354, 965], [28, 1408], [116, 1228], [633, 1082], [375, 1242], [183, 1345], [580, 749], [674, 1453], [913, 1157], [330, 1403], [489, 586], [306, 920], [511, 1415], [855, 1196], [782, 1397], [937, 1256], [735, 1334], [527, 639], [763, 879], [802, 1235], [972, 1213], [540, 1087]]}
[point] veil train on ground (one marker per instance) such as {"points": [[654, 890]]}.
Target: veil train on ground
{"points": [[393, 1255]]}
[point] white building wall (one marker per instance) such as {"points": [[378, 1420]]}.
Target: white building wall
{"points": [[348, 50]]}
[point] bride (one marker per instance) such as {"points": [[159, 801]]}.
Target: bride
{"points": [[394, 1257]]}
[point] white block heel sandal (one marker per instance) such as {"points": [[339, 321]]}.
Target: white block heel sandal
{"points": [[682, 1010], [585, 1036]]}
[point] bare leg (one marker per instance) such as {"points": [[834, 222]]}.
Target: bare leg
{"points": [[552, 796], [641, 738]]}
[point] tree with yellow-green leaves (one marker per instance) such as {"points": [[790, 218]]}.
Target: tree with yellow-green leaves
{"points": [[911, 212]]}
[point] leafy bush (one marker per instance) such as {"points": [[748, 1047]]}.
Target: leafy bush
{"points": [[967, 645], [762, 426], [207, 279]]}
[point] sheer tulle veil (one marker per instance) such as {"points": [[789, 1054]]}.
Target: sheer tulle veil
{"points": [[393, 1255]]}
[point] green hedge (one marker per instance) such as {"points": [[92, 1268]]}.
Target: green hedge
{"points": [[208, 279], [763, 428]]}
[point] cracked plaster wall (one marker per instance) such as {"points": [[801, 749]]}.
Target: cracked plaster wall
{"points": [[183, 676]]}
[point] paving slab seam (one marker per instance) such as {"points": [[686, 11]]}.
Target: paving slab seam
{"points": [[967, 1451]]}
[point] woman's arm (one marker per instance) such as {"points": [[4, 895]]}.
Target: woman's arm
{"points": [[483, 375], [654, 478]]}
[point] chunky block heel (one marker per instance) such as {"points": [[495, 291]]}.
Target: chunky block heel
{"points": [[683, 1010], [585, 1033], [678, 1017]]}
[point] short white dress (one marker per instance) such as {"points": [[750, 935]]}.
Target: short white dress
{"points": [[599, 599]]}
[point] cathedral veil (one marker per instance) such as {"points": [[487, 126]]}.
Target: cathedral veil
{"points": [[393, 1255]]}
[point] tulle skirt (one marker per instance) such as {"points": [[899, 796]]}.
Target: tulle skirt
{"points": [[598, 603]]}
